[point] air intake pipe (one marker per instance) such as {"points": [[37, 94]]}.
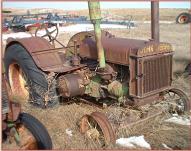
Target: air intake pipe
{"points": [[95, 17], [155, 21]]}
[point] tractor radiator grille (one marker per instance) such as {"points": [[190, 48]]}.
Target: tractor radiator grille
{"points": [[5, 101], [157, 73]]}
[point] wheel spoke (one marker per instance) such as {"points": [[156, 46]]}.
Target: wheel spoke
{"points": [[53, 31], [44, 36]]}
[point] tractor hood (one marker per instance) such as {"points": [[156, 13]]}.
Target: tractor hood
{"points": [[118, 50]]}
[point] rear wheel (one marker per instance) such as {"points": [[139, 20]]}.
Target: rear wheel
{"points": [[97, 127], [26, 80], [178, 101]]}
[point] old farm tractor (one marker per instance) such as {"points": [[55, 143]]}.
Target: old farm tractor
{"points": [[96, 67]]}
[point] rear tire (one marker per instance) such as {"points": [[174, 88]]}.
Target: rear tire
{"points": [[17, 60], [37, 129]]}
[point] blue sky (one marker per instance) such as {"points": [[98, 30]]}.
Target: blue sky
{"points": [[84, 5]]}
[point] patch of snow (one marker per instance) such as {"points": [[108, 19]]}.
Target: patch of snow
{"points": [[133, 142], [69, 132], [179, 120], [88, 27], [165, 146], [161, 22], [70, 28], [15, 35]]}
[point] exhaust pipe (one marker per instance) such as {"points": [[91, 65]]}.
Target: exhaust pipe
{"points": [[95, 17], [155, 21]]}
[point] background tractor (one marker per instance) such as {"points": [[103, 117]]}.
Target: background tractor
{"points": [[95, 66]]}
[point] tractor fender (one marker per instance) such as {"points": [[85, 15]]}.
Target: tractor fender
{"points": [[32, 45]]}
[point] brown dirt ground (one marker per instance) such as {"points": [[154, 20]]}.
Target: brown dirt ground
{"points": [[156, 132]]}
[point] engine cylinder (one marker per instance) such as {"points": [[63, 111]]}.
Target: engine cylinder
{"points": [[71, 85]]}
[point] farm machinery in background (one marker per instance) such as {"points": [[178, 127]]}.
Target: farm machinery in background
{"points": [[98, 68], [21, 130], [106, 19], [183, 18], [28, 22], [126, 20]]}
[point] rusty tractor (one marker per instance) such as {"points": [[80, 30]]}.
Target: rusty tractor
{"points": [[21, 130], [95, 67]]}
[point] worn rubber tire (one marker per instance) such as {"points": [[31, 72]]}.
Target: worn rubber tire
{"points": [[37, 129], [183, 14], [36, 80]]}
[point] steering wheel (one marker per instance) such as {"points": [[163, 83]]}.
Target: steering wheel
{"points": [[47, 33]]}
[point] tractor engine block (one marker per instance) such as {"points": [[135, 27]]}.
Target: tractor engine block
{"points": [[73, 84], [97, 84]]}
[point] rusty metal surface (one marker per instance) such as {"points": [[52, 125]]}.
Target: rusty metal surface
{"points": [[15, 110], [102, 122], [79, 37], [5, 96], [8, 108], [157, 73], [155, 21], [70, 85], [32, 44], [146, 100], [154, 48], [35, 44], [105, 125], [117, 50], [153, 74], [45, 55]]}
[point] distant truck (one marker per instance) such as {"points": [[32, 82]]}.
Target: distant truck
{"points": [[183, 18]]}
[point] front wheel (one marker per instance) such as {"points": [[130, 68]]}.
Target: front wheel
{"points": [[178, 100]]}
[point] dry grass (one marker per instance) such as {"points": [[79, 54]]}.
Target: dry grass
{"points": [[156, 132]]}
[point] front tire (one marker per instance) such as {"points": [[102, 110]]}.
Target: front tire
{"points": [[26, 80]]}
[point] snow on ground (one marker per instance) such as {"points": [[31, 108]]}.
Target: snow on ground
{"points": [[69, 132], [71, 28], [161, 22], [15, 35], [166, 147], [133, 142], [87, 27], [179, 120]]}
